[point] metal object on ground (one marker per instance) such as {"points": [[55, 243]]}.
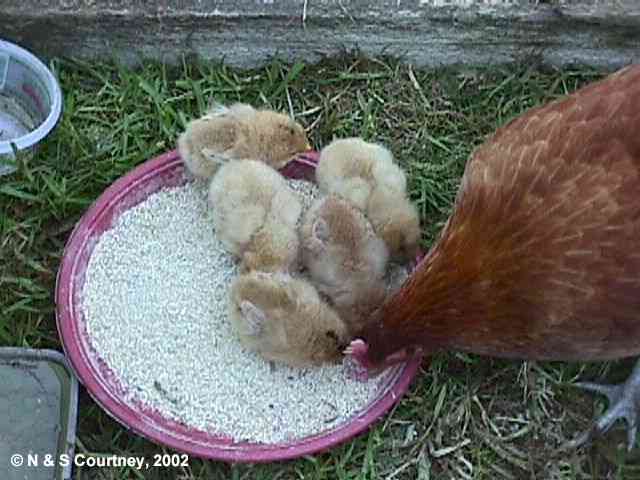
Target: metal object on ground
{"points": [[38, 414]]}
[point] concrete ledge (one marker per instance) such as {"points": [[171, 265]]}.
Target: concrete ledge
{"points": [[603, 33]]}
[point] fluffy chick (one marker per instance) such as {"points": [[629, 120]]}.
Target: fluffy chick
{"points": [[284, 319], [395, 219], [255, 215], [344, 257], [240, 132], [352, 168], [366, 175]]}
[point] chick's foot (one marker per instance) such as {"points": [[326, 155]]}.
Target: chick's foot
{"points": [[624, 403]]}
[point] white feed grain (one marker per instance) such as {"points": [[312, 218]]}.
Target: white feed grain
{"points": [[155, 305]]}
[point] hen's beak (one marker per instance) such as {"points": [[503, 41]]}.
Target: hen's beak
{"points": [[310, 155], [356, 351]]}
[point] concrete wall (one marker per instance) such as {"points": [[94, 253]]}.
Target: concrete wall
{"points": [[248, 32]]}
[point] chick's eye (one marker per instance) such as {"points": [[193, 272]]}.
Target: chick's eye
{"points": [[288, 129], [332, 335]]}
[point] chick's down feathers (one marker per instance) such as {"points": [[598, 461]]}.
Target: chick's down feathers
{"points": [[240, 132], [365, 174], [352, 168], [284, 319], [255, 215], [345, 258]]}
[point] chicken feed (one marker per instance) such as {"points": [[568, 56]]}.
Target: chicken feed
{"points": [[155, 307]]}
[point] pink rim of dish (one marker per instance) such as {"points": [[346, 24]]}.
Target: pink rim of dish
{"points": [[100, 381]]}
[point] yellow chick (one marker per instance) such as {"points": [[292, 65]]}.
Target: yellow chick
{"points": [[255, 215], [240, 132], [352, 168], [365, 174], [395, 219], [344, 257], [284, 319]]}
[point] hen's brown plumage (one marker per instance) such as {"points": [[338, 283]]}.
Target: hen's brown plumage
{"points": [[541, 256]]}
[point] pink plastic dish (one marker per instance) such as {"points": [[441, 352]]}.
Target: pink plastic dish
{"points": [[166, 171]]}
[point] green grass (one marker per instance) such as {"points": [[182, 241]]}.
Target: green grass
{"points": [[465, 416]]}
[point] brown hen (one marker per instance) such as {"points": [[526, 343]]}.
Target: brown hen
{"points": [[540, 258]]}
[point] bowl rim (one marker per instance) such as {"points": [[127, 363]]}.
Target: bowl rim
{"points": [[47, 125], [244, 452]]}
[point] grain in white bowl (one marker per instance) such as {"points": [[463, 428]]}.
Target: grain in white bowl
{"points": [[155, 305]]}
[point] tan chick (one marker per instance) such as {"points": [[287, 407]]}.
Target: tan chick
{"points": [[395, 219], [344, 257], [365, 174], [352, 168], [240, 132], [284, 319], [255, 215]]}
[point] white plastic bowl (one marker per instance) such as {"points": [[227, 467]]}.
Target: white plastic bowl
{"points": [[30, 102]]}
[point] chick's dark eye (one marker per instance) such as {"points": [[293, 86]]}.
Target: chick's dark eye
{"points": [[332, 335]]}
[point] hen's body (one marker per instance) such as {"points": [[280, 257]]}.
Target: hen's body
{"points": [[541, 256]]}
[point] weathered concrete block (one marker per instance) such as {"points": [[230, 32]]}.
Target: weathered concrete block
{"points": [[249, 32]]}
